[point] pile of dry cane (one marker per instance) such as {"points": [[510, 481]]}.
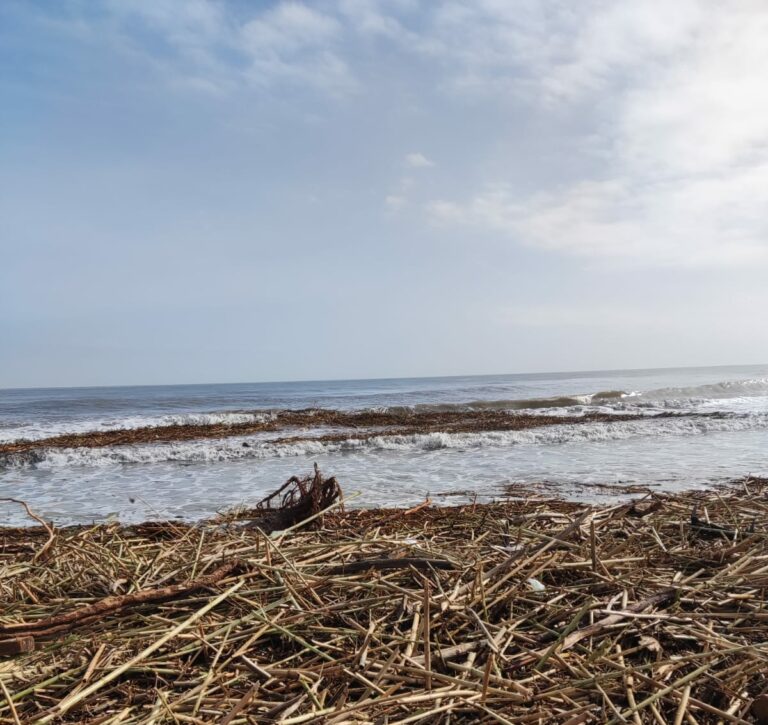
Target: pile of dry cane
{"points": [[528, 611]]}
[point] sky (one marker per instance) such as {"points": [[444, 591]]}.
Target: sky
{"points": [[230, 190]]}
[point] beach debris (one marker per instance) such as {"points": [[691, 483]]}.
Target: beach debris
{"points": [[297, 500], [759, 709], [394, 563], [16, 645], [47, 626], [359, 425], [639, 509], [342, 623], [43, 552], [426, 503], [704, 528]]}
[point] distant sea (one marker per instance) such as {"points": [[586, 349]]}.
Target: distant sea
{"points": [[195, 479]]}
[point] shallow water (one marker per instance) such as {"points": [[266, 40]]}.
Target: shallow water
{"points": [[194, 479]]}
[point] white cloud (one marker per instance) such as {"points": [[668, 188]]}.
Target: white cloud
{"points": [[615, 43], [708, 221], [370, 18], [292, 42], [289, 27], [418, 161], [189, 23], [684, 133], [394, 202], [215, 48], [670, 98]]}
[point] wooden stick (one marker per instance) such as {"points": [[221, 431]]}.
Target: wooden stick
{"points": [[69, 702], [109, 605], [17, 645], [388, 564]]}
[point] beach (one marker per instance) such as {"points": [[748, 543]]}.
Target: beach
{"points": [[531, 610], [567, 548], [383, 362]]}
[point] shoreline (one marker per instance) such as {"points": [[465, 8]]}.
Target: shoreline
{"points": [[533, 609]]}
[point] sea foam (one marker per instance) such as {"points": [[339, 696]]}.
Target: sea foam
{"points": [[263, 447]]}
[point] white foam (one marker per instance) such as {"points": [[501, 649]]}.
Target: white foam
{"points": [[731, 396], [264, 446], [752, 387], [617, 401]]}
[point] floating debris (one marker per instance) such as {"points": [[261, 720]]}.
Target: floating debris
{"points": [[339, 425]]}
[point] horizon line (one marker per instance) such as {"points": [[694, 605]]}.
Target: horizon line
{"points": [[378, 379]]}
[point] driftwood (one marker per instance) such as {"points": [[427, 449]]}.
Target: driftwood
{"points": [[299, 499], [40, 555], [600, 627], [403, 563], [16, 646], [706, 529], [295, 501], [109, 605]]}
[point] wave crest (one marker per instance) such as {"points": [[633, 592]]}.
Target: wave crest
{"points": [[232, 449], [621, 400]]}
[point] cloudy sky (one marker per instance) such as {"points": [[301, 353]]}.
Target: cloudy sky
{"points": [[211, 190]]}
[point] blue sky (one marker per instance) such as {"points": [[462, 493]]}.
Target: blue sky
{"points": [[211, 191]]}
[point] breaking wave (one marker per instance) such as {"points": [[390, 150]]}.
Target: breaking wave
{"points": [[754, 387], [260, 447], [725, 395], [614, 400], [559, 401]]}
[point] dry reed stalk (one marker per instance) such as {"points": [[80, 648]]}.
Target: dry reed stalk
{"points": [[526, 611]]}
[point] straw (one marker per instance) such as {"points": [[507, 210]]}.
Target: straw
{"points": [[531, 610]]}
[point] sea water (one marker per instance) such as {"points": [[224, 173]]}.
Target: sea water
{"points": [[194, 479]]}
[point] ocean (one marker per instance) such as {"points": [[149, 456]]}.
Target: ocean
{"points": [[718, 432]]}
